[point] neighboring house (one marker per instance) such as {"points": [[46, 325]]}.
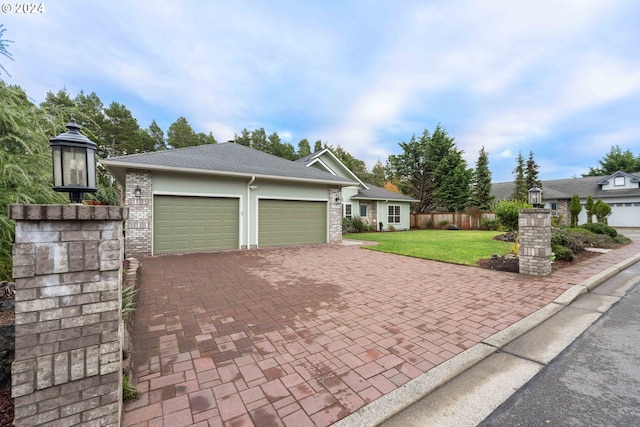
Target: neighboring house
{"points": [[620, 190], [373, 204], [226, 196]]}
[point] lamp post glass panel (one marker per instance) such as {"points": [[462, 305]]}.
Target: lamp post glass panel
{"points": [[535, 197], [74, 163]]}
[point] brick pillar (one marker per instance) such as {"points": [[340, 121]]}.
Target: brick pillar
{"points": [[335, 214], [67, 263], [139, 222], [534, 232]]}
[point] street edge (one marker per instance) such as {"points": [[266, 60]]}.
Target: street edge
{"points": [[401, 398]]}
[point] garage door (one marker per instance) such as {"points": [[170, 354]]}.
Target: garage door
{"points": [[291, 222], [188, 224]]}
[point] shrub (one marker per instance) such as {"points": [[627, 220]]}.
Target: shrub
{"points": [[347, 225], [574, 209], [489, 224], [443, 224], [601, 210], [556, 220], [358, 224], [600, 228], [562, 253], [507, 212], [588, 206], [392, 228]]}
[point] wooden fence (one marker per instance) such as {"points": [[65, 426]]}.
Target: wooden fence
{"points": [[461, 220]]}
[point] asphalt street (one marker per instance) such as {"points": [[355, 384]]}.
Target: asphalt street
{"points": [[594, 382]]}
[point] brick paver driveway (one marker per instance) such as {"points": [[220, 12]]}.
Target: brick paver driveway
{"points": [[307, 335]]}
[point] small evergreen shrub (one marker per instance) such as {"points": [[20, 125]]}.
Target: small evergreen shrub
{"points": [[489, 224], [562, 253], [600, 228]]}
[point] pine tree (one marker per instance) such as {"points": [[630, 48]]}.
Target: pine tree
{"points": [[531, 173], [520, 189], [481, 190]]}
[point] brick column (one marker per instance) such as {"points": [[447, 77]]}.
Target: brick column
{"points": [[139, 222], [67, 271], [335, 214], [534, 232]]}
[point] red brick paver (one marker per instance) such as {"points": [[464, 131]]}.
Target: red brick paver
{"points": [[307, 335]]}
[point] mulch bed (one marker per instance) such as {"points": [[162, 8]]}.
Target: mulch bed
{"points": [[6, 408]]}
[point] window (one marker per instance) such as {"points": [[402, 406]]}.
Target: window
{"points": [[554, 206], [347, 210], [394, 214], [618, 181], [363, 211]]}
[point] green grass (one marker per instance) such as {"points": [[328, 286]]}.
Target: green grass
{"points": [[454, 246]]}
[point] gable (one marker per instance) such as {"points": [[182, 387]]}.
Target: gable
{"points": [[326, 161], [619, 181]]}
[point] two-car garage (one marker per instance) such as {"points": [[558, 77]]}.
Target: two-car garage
{"points": [[190, 224]]}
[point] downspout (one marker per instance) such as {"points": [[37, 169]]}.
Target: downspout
{"points": [[253, 178]]}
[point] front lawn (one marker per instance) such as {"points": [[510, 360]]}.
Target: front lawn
{"points": [[454, 246]]}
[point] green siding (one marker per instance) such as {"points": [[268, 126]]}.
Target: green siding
{"points": [[189, 224], [291, 222]]}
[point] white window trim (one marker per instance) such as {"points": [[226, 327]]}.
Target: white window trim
{"points": [[394, 217]]}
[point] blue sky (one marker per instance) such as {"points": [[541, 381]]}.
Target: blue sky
{"points": [[559, 78]]}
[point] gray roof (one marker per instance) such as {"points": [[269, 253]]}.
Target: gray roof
{"points": [[377, 193], [228, 158], [565, 188]]}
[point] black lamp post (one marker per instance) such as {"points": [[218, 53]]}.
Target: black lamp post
{"points": [[74, 163], [535, 197]]}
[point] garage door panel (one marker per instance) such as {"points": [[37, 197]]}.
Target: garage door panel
{"points": [[291, 222], [187, 224]]}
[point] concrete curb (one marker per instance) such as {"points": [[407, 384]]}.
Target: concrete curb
{"points": [[390, 404]]}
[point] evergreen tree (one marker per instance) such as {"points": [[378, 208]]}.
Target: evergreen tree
{"points": [[616, 160], [244, 138], [531, 173], [409, 170], [317, 146], [588, 206], [378, 175], [453, 191], [157, 136], [3, 48], [121, 131], [481, 189], [304, 149], [520, 190], [92, 118], [574, 210], [438, 146], [180, 134]]}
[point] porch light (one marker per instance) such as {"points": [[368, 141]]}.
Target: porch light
{"points": [[535, 196], [74, 163], [137, 192]]}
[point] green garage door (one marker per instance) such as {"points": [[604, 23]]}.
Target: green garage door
{"points": [[291, 222], [188, 224]]}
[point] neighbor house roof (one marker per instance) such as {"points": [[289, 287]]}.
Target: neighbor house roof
{"points": [[565, 188], [228, 159], [377, 193]]}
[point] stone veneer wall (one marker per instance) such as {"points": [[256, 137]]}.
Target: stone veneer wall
{"points": [[139, 224], [335, 214], [67, 269], [534, 232]]}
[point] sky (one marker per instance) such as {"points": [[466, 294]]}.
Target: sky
{"points": [[560, 79]]}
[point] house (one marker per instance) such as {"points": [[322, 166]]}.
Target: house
{"points": [[380, 208], [621, 191], [226, 196]]}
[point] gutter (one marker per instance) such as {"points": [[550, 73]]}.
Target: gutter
{"points": [[248, 213]]}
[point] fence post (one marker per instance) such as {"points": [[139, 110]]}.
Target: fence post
{"points": [[67, 263]]}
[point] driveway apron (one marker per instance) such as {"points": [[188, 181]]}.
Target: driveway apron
{"points": [[304, 336]]}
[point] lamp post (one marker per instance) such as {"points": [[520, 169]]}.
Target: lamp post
{"points": [[74, 163], [535, 197]]}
